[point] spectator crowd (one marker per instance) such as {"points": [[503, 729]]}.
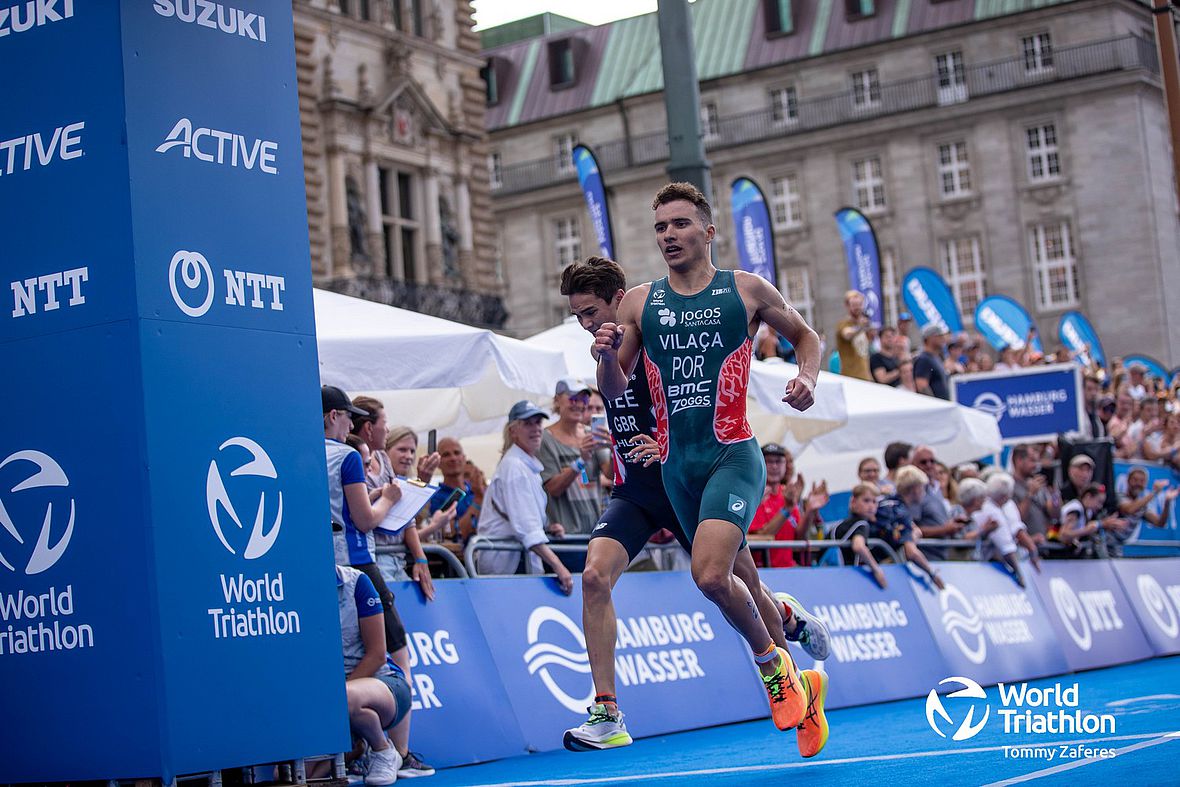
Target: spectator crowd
{"points": [[554, 477]]}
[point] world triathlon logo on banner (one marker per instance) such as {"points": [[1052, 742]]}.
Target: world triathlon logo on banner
{"points": [[650, 649], [38, 621], [249, 605], [1023, 710]]}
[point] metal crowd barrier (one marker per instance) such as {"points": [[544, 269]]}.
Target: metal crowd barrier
{"points": [[437, 550]]}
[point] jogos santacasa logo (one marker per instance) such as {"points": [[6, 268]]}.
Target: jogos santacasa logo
{"points": [[217, 499], [47, 474]]}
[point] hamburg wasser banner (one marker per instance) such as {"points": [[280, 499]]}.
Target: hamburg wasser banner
{"points": [[590, 179], [751, 222], [1039, 402], [930, 300], [1079, 336], [864, 262], [1005, 323]]}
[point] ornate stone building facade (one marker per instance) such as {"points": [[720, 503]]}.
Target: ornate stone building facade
{"points": [[1018, 147], [395, 152]]}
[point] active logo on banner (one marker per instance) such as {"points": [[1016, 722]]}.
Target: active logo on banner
{"points": [[1023, 710], [225, 148], [38, 150], [215, 16], [27, 16], [193, 286], [262, 618], [1028, 404]]}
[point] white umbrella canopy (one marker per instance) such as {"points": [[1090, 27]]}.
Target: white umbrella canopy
{"points": [[768, 416], [429, 372], [879, 415]]}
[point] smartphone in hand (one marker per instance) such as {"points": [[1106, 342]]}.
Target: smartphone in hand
{"points": [[431, 441]]}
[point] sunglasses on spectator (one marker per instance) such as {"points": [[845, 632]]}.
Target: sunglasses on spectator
{"points": [[929, 461], [579, 398]]}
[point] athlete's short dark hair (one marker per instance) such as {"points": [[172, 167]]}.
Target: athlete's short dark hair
{"points": [[687, 192], [595, 276]]}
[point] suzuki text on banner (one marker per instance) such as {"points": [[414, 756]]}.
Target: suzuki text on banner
{"points": [[590, 179], [864, 263], [930, 300], [751, 221], [1037, 403]]}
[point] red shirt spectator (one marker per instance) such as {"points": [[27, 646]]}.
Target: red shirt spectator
{"points": [[769, 511]]}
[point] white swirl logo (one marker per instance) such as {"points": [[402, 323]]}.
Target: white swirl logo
{"points": [[1069, 609], [195, 274], [216, 496], [540, 656], [967, 729], [964, 626], [48, 474], [990, 404], [1158, 605], [667, 317]]}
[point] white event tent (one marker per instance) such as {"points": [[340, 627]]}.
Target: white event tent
{"points": [[430, 373]]}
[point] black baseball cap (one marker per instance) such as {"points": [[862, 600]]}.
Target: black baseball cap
{"points": [[336, 399], [773, 449]]}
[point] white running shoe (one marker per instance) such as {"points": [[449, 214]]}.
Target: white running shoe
{"points": [[603, 730], [810, 632], [383, 766]]}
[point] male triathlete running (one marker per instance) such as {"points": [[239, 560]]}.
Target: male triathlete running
{"points": [[638, 508], [695, 328]]}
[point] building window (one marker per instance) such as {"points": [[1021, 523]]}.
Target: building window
{"points": [[710, 122], [1056, 270], [797, 291], [859, 9], [868, 184], [561, 63], [1038, 53], [363, 7], [400, 224], [1043, 161], [786, 202], [866, 89], [490, 83], [418, 18], [952, 78], [780, 16], [889, 288], [495, 170], [565, 153], [784, 105], [954, 169], [962, 265], [567, 241], [395, 13]]}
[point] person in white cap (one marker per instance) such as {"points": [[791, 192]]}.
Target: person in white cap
{"points": [[571, 468]]}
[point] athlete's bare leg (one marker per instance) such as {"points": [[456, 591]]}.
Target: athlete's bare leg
{"points": [[714, 550], [770, 608], [606, 560]]}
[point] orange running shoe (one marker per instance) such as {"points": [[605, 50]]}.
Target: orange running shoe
{"points": [[788, 695], [812, 732]]}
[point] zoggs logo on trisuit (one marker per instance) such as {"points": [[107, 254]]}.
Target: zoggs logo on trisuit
{"points": [[215, 16], [224, 148]]}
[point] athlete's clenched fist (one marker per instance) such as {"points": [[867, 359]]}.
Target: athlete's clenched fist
{"points": [[607, 340], [799, 394]]}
